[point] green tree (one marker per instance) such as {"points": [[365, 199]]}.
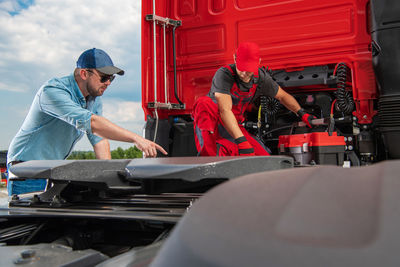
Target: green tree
{"points": [[133, 152], [119, 153], [82, 155]]}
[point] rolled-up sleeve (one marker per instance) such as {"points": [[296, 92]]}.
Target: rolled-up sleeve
{"points": [[59, 103], [98, 110]]}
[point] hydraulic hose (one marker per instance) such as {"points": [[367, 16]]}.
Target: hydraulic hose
{"points": [[345, 100]]}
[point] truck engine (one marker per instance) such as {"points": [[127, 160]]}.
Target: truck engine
{"points": [[325, 92]]}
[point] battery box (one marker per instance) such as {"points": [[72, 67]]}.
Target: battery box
{"points": [[319, 147]]}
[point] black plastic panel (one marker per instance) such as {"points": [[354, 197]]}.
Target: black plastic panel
{"points": [[198, 168], [159, 129], [141, 176], [308, 76], [385, 14], [183, 144], [386, 61], [103, 171]]}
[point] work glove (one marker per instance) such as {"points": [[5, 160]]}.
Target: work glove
{"points": [[306, 117], [245, 148]]}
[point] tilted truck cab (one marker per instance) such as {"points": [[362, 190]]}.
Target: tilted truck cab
{"points": [[338, 58]]}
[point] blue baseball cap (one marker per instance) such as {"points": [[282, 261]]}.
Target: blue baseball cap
{"points": [[98, 59]]}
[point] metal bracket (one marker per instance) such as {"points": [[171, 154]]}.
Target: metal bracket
{"points": [[166, 21], [165, 105]]}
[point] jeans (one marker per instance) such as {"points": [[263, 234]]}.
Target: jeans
{"points": [[22, 187]]}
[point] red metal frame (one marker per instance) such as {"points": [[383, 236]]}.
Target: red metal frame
{"points": [[291, 34]]}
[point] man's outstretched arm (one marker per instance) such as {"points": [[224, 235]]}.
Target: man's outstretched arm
{"points": [[287, 100], [102, 127]]}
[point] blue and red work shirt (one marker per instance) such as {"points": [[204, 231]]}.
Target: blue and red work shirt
{"points": [[58, 118]]}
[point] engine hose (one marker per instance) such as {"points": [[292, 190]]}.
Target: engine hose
{"points": [[345, 100], [269, 105]]}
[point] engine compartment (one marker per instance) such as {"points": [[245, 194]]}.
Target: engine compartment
{"points": [[327, 93], [323, 91]]}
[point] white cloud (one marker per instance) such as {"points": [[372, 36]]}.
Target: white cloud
{"points": [[7, 6], [119, 111], [13, 87], [49, 36], [13, 6]]}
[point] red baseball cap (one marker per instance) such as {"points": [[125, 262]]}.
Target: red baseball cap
{"points": [[248, 57]]}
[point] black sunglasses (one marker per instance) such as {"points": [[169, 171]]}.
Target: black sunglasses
{"points": [[103, 78]]}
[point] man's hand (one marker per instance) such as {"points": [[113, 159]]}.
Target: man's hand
{"points": [[306, 117], [245, 148], [148, 147]]}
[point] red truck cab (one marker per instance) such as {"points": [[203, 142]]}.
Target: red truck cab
{"points": [[335, 57]]}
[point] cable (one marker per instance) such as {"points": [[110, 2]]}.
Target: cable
{"points": [[332, 107], [344, 99]]}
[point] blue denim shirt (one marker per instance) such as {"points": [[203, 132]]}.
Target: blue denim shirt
{"points": [[57, 119]]}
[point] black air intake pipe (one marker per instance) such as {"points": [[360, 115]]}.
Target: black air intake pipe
{"points": [[385, 33]]}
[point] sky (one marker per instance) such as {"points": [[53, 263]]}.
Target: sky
{"points": [[42, 39]]}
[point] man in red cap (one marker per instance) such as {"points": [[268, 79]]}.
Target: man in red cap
{"points": [[218, 116]]}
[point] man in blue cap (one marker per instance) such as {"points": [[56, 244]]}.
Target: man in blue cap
{"points": [[62, 111]]}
